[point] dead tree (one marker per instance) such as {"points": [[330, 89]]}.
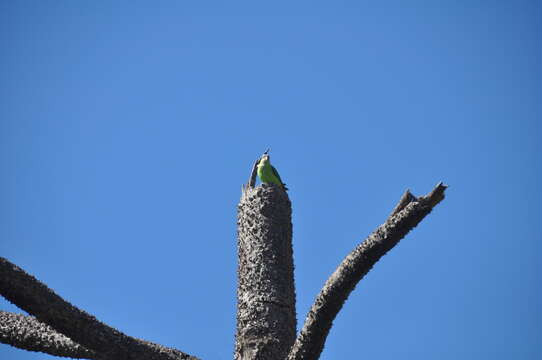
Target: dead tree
{"points": [[266, 314]]}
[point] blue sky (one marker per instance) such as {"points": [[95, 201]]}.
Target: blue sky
{"points": [[128, 127]]}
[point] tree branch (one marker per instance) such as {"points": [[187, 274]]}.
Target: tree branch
{"points": [[406, 215], [251, 180], [266, 317], [406, 199], [34, 297], [25, 332]]}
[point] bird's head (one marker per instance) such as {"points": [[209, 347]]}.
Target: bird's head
{"points": [[265, 157]]}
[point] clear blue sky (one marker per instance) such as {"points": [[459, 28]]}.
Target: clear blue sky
{"points": [[128, 127]]}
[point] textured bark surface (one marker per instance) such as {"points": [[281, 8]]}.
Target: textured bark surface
{"points": [[266, 316], [266, 320], [406, 215], [34, 297], [26, 332]]}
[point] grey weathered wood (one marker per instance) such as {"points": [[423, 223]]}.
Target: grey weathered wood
{"points": [[406, 199], [34, 297], [266, 316], [252, 179], [406, 215], [266, 320], [26, 332]]}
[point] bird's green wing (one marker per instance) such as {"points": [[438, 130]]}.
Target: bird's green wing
{"points": [[278, 177], [276, 173]]}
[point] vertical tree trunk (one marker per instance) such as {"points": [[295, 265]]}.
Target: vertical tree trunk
{"points": [[266, 320]]}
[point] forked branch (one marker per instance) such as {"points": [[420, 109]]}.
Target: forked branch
{"points": [[406, 215], [34, 297]]}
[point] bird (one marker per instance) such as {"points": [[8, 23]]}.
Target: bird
{"points": [[267, 173]]}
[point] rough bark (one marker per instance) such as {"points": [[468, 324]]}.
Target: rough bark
{"points": [[252, 180], [266, 316], [266, 320], [34, 297], [26, 332], [406, 199], [406, 215]]}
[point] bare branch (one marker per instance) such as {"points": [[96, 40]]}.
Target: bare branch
{"points": [[406, 215], [34, 297], [436, 195], [266, 317], [25, 332], [252, 180], [406, 199]]}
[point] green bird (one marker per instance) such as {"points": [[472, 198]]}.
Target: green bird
{"points": [[267, 173]]}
